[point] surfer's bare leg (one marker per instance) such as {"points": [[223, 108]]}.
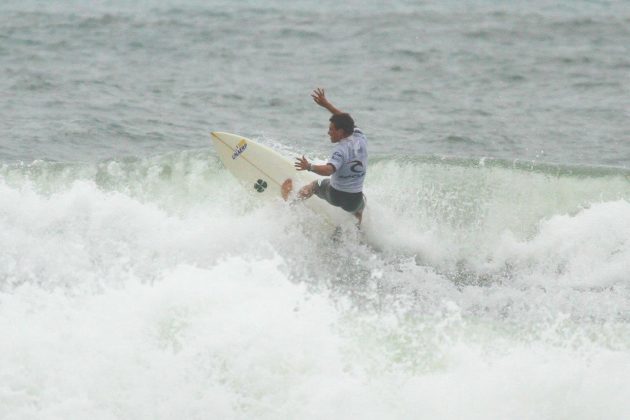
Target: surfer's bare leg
{"points": [[307, 190], [304, 193], [359, 216], [287, 187]]}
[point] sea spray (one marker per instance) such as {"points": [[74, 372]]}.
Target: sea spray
{"points": [[155, 287]]}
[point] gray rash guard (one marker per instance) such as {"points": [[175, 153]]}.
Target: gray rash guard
{"points": [[350, 160]]}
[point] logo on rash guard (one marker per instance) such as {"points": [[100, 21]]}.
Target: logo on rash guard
{"points": [[357, 166]]}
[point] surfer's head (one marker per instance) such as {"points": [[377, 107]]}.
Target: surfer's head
{"points": [[341, 126]]}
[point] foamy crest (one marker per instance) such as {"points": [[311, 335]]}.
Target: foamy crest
{"points": [[589, 249], [130, 296]]}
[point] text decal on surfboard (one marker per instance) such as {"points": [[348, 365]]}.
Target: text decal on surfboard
{"points": [[240, 148]]}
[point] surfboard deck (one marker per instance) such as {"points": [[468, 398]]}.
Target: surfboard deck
{"points": [[262, 170]]}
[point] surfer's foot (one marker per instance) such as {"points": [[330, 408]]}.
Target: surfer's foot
{"points": [[307, 190], [287, 187]]}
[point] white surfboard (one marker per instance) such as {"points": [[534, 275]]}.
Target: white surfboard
{"points": [[262, 170]]}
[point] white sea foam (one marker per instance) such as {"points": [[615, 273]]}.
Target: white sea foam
{"points": [[240, 340], [165, 296]]}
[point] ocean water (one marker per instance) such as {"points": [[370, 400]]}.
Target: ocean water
{"points": [[490, 279]]}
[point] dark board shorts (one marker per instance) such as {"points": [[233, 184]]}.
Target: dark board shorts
{"points": [[350, 202]]}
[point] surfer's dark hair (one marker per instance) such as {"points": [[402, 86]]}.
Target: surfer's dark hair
{"points": [[343, 121]]}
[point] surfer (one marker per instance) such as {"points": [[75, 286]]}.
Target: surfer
{"points": [[346, 167]]}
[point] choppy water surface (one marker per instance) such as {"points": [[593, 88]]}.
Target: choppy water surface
{"points": [[490, 279]]}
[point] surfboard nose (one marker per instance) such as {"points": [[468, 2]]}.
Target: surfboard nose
{"points": [[219, 134]]}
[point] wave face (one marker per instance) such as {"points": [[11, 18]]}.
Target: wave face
{"points": [[156, 288]]}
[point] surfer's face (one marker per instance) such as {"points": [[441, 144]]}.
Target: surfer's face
{"points": [[335, 133]]}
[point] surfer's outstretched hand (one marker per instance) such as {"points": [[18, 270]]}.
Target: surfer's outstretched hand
{"points": [[301, 164], [319, 96]]}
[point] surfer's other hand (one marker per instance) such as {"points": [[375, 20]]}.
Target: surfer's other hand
{"points": [[301, 164]]}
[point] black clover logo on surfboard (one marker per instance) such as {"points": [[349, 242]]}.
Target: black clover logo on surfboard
{"points": [[260, 185]]}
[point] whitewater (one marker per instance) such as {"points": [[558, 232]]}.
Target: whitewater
{"points": [[490, 278], [149, 289]]}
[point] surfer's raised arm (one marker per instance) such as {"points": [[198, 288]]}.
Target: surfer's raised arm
{"points": [[319, 96]]}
